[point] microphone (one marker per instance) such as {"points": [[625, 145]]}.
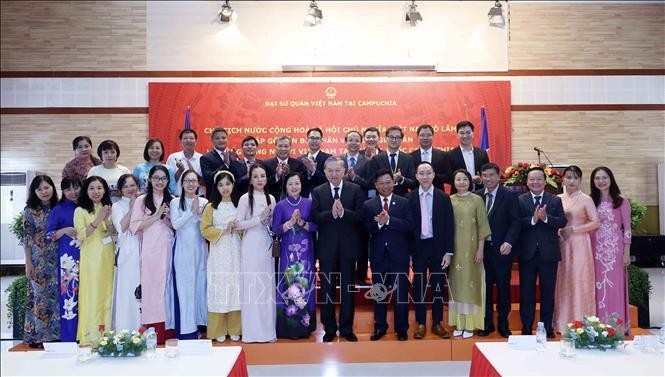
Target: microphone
{"points": [[543, 152]]}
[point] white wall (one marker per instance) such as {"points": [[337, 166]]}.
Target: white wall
{"points": [[454, 35]]}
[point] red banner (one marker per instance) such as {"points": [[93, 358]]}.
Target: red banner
{"points": [[268, 110]]}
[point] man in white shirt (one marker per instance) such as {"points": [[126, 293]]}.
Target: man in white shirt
{"points": [[187, 158]]}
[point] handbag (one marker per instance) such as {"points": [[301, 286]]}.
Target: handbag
{"points": [[276, 245]]}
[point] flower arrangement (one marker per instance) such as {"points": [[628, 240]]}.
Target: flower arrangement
{"points": [[591, 333], [516, 174], [119, 344]]}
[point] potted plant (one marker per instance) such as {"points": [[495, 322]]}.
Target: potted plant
{"points": [[17, 292], [17, 228], [17, 300], [638, 212], [639, 286]]}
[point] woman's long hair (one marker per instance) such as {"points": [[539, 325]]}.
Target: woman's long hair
{"points": [[250, 192], [215, 196], [84, 200], [33, 200], [149, 201], [615, 193], [183, 203]]}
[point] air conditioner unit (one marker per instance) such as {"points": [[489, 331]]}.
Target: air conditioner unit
{"points": [[14, 188]]}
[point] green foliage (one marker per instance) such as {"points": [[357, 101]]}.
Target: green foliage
{"points": [[17, 228], [639, 286], [120, 344], [17, 292], [637, 213]]}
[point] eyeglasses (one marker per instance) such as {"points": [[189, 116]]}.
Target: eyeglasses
{"points": [[159, 179], [190, 181], [393, 138]]}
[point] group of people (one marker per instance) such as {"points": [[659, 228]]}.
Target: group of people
{"points": [[187, 246]]}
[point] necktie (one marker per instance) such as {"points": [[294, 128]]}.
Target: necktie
{"points": [[385, 204], [537, 201], [336, 195], [352, 162], [489, 201], [424, 214], [393, 163]]}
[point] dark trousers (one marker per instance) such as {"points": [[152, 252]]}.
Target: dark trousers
{"points": [[546, 273], [363, 257], [330, 272], [497, 271], [425, 258], [390, 282]]}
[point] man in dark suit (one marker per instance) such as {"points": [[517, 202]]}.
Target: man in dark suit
{"points": [[356, 172], [433, 247], [398, 162], [218, 159], [337, 210], [388, 221], [466, 156], [280, 165], [541, 216], [314, 159], [503, 215], [249, 147], [436, 157]]}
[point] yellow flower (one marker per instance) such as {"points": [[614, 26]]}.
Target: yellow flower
{"points": [[136, 340], [580, 330], [103, 343], [602, 325], [548, 171]]}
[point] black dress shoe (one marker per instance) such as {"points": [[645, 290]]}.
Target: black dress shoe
{"points": [[377, 334], [526, 331], [351, 337], [550, 334], [401, 336], [505, 333], [329, 337], [486, 332]]}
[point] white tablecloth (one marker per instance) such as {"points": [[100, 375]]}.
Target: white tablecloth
{"points": [[218, 362], [630, 362]]}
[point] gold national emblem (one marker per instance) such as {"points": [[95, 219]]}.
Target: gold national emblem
{"points": [[331, 92]]}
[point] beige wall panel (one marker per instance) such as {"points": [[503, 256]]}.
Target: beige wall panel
{"points": [[44, 142], [73, 35], [629, 142], [593, 36]]}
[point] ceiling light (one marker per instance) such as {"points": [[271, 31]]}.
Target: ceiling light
{"points": [[226, 12], [314, 14], [412, 14], [495, 15]]}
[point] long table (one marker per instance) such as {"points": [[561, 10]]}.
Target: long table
{"points": [[221, 361], [497, 359]]}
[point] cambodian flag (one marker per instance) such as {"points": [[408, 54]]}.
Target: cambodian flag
{"points": [[484, 136], [187, 121]]}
